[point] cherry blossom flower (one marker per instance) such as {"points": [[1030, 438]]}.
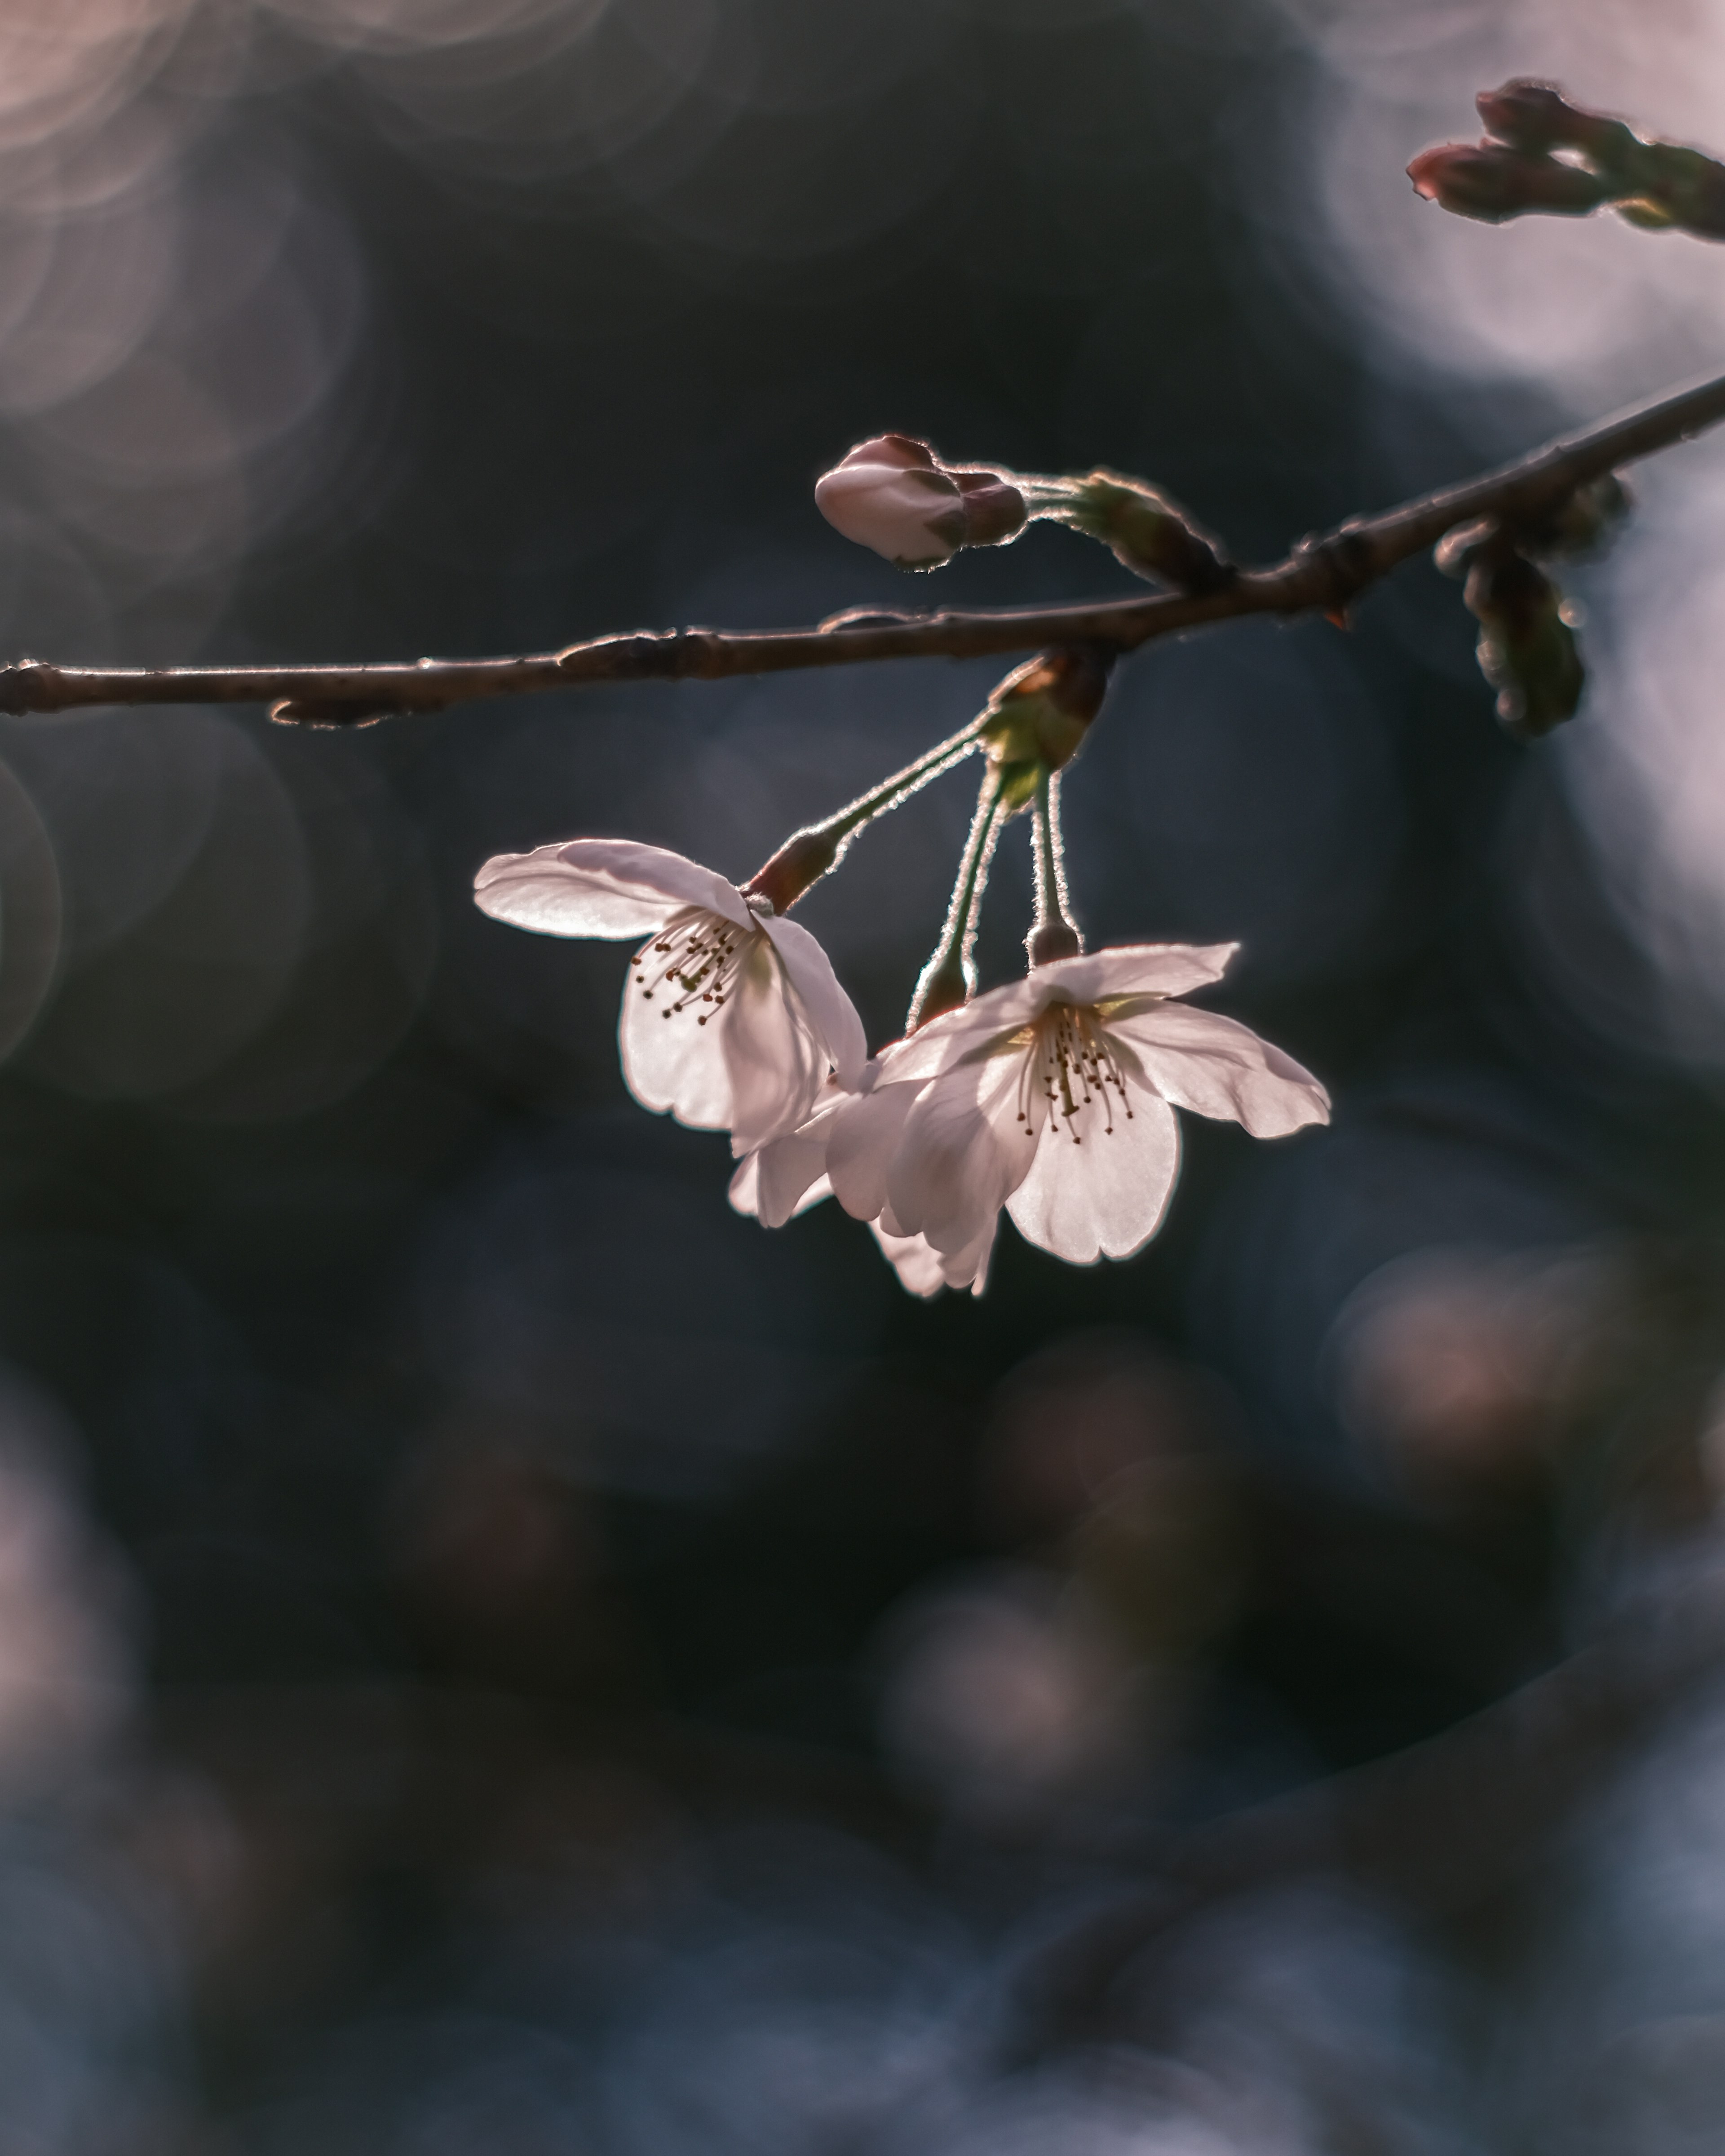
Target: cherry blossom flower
{"points": [[894, 495], [731, 1015], [1055, 1099]]}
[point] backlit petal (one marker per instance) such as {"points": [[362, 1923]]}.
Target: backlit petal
{"points": [[917, 1263], [773, 1061], [1218, 1067], [674, 1065], [605, 887], [964, 1149], [833, 1013], [1105, 1195], [1129, 969], [861, 1141], [767, 1185]]}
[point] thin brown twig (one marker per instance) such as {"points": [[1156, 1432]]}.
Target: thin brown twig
{"points": [[1322, 574]]}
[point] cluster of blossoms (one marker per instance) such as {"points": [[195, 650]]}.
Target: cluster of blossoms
{"points": [[1052, 1098]]}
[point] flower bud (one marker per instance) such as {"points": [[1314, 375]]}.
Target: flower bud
{"points": [[1526, 648], [1038, 717], [1152, 536], [1537, 116], [1526, 115], [1492, 183], [894, 495]]}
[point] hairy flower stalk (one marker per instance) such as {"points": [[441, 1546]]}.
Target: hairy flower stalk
{"points": [[809, 854], [1054, 934], [949, 977]]}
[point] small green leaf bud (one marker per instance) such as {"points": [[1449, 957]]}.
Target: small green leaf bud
{"points": [[1152, 536], [1038, 717], [1583, 523], [1526, 648], [1676, 187]]}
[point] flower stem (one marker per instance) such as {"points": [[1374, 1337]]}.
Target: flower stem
{"points": [[949, 977], [807, 855], [1055, 934]]}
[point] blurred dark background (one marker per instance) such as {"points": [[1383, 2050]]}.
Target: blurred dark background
{"points": [[497, 1652]]}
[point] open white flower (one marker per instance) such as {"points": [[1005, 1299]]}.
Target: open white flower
{"points": [[731, 1016], [1055, 1098], [789, 1174]]}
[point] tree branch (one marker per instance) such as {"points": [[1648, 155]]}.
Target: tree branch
{"points": [[1322, 574]]}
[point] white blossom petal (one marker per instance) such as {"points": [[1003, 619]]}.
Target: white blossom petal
{"points": [[917, 1263], [1133, 969], [968, 1141], [793, 1178], [913, 514], [674, 1065], [774, 1061], [832, 1012], [925, 1271], [1218, 1067], [768, 1185], [861, 1140], [1104, 1195], [602, 887]]}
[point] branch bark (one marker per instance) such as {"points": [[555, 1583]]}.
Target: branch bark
{"points": [[1322, 574]]}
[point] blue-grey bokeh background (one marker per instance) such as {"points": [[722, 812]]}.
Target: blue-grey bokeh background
{"points": [[497, 1651]]}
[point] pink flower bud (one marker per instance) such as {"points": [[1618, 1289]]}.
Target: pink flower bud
{"points": [[894, 495], [1526, 115], [1488, 182], [1537, 116]]}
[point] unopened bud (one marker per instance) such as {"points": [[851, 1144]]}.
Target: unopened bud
{"points": [[1038, 717], [1537, 116], [1152, 536], [1492, 183], [1526, 115], [1526, 648], [894, 495]]}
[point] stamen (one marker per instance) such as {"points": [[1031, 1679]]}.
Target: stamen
{"points": [[1074, 1063], [700, 953]]}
